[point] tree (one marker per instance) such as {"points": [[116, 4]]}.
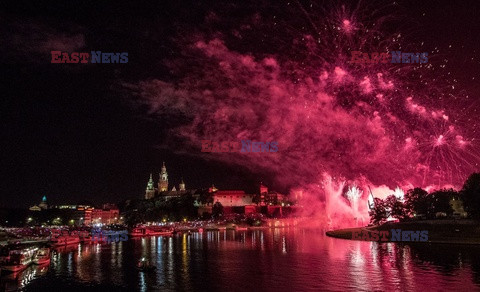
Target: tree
{"points": [[217, 210], [440, 201], [257, 198], [470, 194], [205, 197], [416, 201], [186, 206], [133, 217], [395, 208], [275, 200], [378, 214]]}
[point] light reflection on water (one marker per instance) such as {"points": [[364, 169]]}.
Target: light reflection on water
{"points": [[269, 259]]}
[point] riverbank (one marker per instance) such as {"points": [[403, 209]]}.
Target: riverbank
{"points": [[240, 226], [439, 231]]}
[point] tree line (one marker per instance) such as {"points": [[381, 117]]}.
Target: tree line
{"points": [[418, 203]]}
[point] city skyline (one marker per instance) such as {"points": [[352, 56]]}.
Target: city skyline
{"points": [[67, 140], [240, 145]]}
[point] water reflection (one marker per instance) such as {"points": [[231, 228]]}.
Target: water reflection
{"points": [[268, 259], [19, 280]]}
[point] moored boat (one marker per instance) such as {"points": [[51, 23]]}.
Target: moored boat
{"points": [[137, 231], [42, 256], [17, 259], [159, 230], [65, 240], [237, 228], [145, 266], [151, 231], [86, 239]]}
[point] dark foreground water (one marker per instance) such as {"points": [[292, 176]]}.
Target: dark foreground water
{"points": [[290, 259]]}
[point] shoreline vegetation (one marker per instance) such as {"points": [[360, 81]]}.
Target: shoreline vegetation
{"points": [[439, 231]]}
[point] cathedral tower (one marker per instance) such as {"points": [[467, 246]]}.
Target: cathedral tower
{"points": [[163, 182], [182, 185], [43, 204], [150, 191]]}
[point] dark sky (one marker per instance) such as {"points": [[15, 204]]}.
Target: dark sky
{"points": [[72, 132]]}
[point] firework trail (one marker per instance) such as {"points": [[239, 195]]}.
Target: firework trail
{"points": [[286, 76]]}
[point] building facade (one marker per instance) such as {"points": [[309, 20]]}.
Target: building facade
{"points": [[162, 190], [232, 198], [150, 191], [163, 181], [105, 216], [43, 205]]}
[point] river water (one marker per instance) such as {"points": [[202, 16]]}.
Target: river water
{"points": [[282, 259]]}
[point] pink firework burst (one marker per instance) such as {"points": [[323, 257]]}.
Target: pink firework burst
{"points": [[290, 79]]}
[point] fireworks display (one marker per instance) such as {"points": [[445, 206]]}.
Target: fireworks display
{"points": [[275, 77], [353, 195]]}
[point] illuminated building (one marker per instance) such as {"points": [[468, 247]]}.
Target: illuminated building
{"points": [[162, 190], [72, 207], [35, 208], [263, 189], [237, 198], [232, 198], [270, 197], [105, 216], [182, 185], [163, 182], [150, 191], [273, 198], [212, 189], [83, 215], [43, 205]]}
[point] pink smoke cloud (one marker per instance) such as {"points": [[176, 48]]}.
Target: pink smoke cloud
{"points": [[336, 125]]}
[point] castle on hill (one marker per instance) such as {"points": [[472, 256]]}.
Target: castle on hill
{"points": [[162, 188]]}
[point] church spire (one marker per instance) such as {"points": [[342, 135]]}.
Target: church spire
{"points": [[182, 185], [150, 190], [163, 182], [150, 183]]}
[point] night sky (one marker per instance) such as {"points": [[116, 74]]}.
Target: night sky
{"points": [[78, 132]]}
